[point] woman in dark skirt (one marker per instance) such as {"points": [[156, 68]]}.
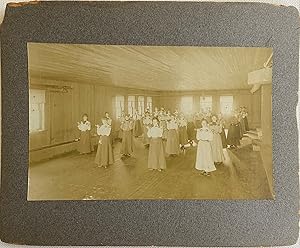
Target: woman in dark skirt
{"points": [[127, 139], [172, 145], [85, 143], [233, 137], [137, 128], [111, 124], [147, 122], [216, 142], [120, 120], [182, 131], [191, 131], [238, 117], [243, 127], [223, 135], [104, 156], [162, 118], [242, 122], [156, 157], [245, 117]]}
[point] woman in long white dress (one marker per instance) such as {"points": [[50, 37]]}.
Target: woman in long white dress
{"points": [[204, 158]]}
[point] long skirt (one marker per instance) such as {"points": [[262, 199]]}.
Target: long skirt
{"points": [[217, 148], [240, 130], [146, 139], [246, 123], [243, 127], [137, 129], [165, 134], [104, 156], [204, 158], [120, 134], [156, 157], [172, 145], [183, 136], [191, 133], [165, 130], [85, 143], [223, 138], [127, 142], [111, 139], [233, 137]]}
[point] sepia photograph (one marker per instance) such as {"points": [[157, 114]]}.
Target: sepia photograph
{"points": [[131, 122]]}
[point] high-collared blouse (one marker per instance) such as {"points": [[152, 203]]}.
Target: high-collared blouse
{"points": [[172, 125], [147, 120], [182, 122], [204, 134], [127, 125], [84, 126], [104, 130], [155, 132]]}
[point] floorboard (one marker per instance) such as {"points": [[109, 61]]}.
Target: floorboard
{"points": [[76, 177]]}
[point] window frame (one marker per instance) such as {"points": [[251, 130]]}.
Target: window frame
{"points": [[149, 104], [122, 101], [190, 104], [141, 102], [131, 104], [231, 102], [42, 110], [205, 102]]}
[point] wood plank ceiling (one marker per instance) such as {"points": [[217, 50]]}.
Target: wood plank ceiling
{"points": [[147, 67]]}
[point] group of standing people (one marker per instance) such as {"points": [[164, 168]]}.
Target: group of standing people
{"points": [[238, 126], [167, 134], [104, 156]]}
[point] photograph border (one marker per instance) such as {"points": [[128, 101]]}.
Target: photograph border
{"points": [[262, 189]]}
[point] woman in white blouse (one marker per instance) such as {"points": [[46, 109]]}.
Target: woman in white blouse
{"points": [[127, 139], [104, 156], [216, 143], [172, 145], [137, 126], [156, 157], [85, 143], [147, 122], [204, 158], [182, 131]]}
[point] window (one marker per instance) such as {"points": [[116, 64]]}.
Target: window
{"points": [[187, 104], [36, 110], [149, 103], [120, 102], [226, 104], [131, 105], [141, 105], [205, 104]]}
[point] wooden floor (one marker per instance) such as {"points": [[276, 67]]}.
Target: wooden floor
{"points": [[76, 177]]}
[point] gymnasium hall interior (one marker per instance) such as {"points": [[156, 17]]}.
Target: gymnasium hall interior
{"points": [[68, 81]]}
